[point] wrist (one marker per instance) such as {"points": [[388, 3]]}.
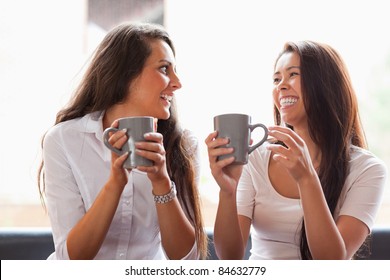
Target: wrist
{"points": [[161, 187], [167, 197], [227, 194]]}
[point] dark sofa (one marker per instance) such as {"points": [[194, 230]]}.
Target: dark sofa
{"points": [[37, 244]]}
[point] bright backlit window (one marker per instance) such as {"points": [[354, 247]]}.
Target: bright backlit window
{"points": [[225, 55]]}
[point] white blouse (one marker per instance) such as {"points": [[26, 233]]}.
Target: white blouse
{"points": [[276, 220], [77, 165]]}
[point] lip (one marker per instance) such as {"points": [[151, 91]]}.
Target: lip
{"points": [[288, 101], [167, 96], [166, 102]]}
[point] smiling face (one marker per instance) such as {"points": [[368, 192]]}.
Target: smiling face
{"points": [[287, 93], [152, 91]]}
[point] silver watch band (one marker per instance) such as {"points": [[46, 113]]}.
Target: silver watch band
{"points": [[166, 197]]}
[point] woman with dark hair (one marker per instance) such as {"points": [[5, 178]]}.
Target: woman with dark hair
{"points": [[313, 191], [97, 208]]}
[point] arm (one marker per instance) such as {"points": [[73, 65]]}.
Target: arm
{"points": [[86, 237], [79, 234], [324, 239], [231, 231], [177, 233], [327, 239], [345, 236]]}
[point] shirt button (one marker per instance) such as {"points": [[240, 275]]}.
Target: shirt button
{"points": [[127, 202], [121, 255]]}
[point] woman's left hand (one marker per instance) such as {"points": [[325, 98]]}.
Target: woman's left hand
{"points": [[153, 150], [295, 157]]}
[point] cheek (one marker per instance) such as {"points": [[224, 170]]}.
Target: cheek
{"points": [[275, 97], [296, 84]]}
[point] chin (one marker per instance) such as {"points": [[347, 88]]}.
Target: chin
{"points": [[164, 116]]}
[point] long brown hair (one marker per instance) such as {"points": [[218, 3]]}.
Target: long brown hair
{"points": [[333, 118], [118, 60]]}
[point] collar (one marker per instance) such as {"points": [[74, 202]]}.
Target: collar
{"points": [[93, 123]]}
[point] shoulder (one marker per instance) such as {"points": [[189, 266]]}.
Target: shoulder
{"points": [[364, 160], [71, 129], [366, 169], [190, 141], [62, 129]]}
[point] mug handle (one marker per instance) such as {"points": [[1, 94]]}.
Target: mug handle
{"points": [[108, 145], [252, 127]]}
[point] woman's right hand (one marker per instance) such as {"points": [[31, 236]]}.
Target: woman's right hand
{"points": [[118, 174], [224, 172]]}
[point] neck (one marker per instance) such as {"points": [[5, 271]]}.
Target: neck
{"points": [[116, 112]]}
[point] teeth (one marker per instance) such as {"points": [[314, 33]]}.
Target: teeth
{"points": [[286, 101], [167, 97]]}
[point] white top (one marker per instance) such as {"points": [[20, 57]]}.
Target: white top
{"points": [[276, 220], [77, 165]]}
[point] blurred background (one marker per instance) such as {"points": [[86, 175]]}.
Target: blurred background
{"points": [[225, 55]]}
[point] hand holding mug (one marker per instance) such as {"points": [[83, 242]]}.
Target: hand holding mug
{"points": [[135, 128]]}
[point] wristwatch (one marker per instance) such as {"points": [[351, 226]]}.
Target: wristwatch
{"points": [[161, 199]]}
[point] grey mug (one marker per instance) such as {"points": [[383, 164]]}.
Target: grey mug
{"points": [[136, 128], [238, 128]]}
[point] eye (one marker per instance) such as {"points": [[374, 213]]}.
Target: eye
{"points": [[292, 74], [164, 69], [276, 80]]}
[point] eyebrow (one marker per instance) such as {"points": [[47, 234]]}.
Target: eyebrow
{"points": [[165, 60], [288, 69]]}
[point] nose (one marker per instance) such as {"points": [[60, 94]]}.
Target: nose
{"points": [[282, 85], [175, 81]]}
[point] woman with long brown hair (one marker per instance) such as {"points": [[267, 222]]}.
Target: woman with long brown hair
{"points": [[313, 191], [97, 208]]}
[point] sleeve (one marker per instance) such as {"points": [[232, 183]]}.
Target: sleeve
{"points": [[365, 191], [246, 194], [193, 149], [64, 201]]}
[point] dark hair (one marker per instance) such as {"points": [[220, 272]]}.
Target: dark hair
{"points": [[333, 117], [117, 61]]}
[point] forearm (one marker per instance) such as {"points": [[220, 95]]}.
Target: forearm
{"points": [[228, 238], [323, 236], [177, 233], [86, 237]]}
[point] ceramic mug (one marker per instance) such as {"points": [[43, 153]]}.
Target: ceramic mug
{"points": [[238, 128], [136, 128]]}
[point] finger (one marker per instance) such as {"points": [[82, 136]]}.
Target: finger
{"points": [[154, 137], [119, 161], [286, 131], [284, 137], [211, 137], [117, 139], [281, 159], [157, 158], [151, 147], [214, 153], [222, 163], [277, 148], [115, 124]]}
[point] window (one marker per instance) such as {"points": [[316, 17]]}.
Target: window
{"points": [[225, 55]]}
